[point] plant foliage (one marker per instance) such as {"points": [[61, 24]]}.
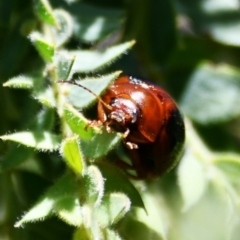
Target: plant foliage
{"points": [[57, 180]]}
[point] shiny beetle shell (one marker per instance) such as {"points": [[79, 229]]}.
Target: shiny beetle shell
{"points": [[152, 124]]}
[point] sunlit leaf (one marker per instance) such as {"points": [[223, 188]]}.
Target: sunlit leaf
{"points": [[45, 97], [211, 215], [78, 123], [89, 61], [44, 12], [83, 233], [218, 19], [81, 98], [110, 234], [64, 188], [100, 144], [40, 211], [155, 219], [229, 164], [192, 179], [64, 66], [113, 207], [212, 94], [143, 231], [37, 140], [193, 169], [225, 32], [116, 181], [72, 154], [94, 186], [45, 48], [21, 81], [63, 33], [93, 23], [71, 1], [69, 210]]}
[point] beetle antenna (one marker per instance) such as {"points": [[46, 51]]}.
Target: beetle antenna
{"points": [[87, 89]]}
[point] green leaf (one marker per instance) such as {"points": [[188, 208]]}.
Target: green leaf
{"points": [[45, 49], [63, 33], [110, 234], [229, 164], [100, 144], [72, 154], [24, 82], [37, 140], [114, 206], [64, 196], [89, 61], [32, 165], [44, 120], [192, 179], [75, 210], [69, 210], [78, 123], [81, 98], [71, 1], [219, 224], [225, 32], [92, 30], [64, 66], [156, 221], [45, 97], [212, 94], [132, 228], [14, 157], [94, 186], [225, 177], [44, 12], [83, 233], [92, 23], [220, 19], [40, 211], [64, 188], [116, 181]]}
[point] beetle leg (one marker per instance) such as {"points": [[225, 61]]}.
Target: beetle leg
{"points": [[93, 123], [131, 145], [107, 125], [125, 134], [108, 129]]}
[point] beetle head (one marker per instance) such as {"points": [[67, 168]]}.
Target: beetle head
{"points": [[124, 112]]}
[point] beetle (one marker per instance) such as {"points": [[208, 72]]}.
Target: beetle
{"points": [[150, 121], [153, 127]]}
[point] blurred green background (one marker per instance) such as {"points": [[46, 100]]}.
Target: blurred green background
{"points": [[192, 49]]}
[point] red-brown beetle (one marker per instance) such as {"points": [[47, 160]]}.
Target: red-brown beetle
{"points": [[152, 124], [153, 128]]}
